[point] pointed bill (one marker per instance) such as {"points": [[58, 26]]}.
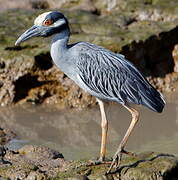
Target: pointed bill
{"points": [[34, 31]]}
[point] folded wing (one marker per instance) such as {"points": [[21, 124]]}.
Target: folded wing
{"points": [[110, 76]]}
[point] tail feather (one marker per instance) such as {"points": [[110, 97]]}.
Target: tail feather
{"points": [[153, 100]]}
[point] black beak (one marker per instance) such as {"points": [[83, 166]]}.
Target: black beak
{"points": [[34, 31]]}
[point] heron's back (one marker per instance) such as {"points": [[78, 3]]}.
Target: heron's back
{"points": [[110, 76]]}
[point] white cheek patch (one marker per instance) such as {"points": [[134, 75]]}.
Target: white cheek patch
{"points": [[39, 20], [59, 23]]}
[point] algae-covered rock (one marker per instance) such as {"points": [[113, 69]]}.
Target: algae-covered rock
{"points": [[146, 166], [151, 166], [37, 162]]}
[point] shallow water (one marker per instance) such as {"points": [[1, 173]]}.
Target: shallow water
{"points": [[76, 134]]}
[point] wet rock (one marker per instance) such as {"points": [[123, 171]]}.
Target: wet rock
{"points": [[145, 166], [32, 162], [37, 162], [152, 166], [6, 135]]}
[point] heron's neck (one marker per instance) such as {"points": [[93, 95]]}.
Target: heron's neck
{"points": [[61, 39], [59, 44]]}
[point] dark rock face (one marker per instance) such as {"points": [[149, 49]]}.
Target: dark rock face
{"points": [[158, 55]]}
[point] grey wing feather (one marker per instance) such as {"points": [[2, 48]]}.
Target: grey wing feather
{"points": [[110, 76]]}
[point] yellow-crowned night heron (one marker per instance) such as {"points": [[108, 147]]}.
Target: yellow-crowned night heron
{"points": [[102, 73]]}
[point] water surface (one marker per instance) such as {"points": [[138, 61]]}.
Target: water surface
{"points": [[76, 134]]}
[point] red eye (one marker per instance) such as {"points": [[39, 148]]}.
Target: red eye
{"points": [[48, 22]]}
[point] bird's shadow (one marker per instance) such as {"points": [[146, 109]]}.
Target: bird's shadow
{"points": [[3, 162], [3, 152], [135, 164]]}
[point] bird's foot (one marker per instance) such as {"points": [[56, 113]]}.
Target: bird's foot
{"points": [[117, 159], [128, 153], [99, 161]]}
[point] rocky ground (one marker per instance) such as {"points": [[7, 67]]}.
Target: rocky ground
{"points": [[41, 163]]}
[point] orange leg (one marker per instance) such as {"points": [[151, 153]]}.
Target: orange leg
{"points": [[104, 127], [118, 155]]}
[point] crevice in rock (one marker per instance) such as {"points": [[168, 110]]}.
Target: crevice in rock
{"points": [[173, 174], [43, 61], [96, 12], [153, 56], [24, 84]]}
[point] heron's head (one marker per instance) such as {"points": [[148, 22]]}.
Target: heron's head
{"points": [[46, 24]]}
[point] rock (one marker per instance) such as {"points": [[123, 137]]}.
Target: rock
{"points": [[39, 152], [146, 166], [86, 5], [79, 177], [6, 135], [35, 176], [37, 162], [175, 57], [39, 4], [32, 162], [151, 166]]}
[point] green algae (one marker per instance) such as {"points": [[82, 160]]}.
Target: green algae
{"points": [[145, 166]]}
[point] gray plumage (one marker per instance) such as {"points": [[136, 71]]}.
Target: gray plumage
{"points": [[110, 76], [107, 75]]}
